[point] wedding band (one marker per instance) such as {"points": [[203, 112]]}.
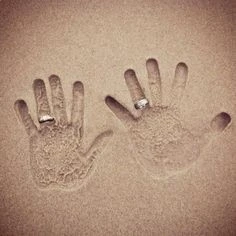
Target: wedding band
{"points": [[45, 118], [141, 103]]}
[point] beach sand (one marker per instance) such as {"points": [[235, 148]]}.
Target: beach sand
{"points": [[98, 169]]}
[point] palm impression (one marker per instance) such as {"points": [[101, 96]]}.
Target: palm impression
{"points": [[164, 145], [57, 154]]}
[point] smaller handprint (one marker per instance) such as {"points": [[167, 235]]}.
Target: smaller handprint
{"points": [[163, 144], [57, 154]]}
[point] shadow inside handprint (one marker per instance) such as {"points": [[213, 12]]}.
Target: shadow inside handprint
{"points": [[57, 155], [163, 144]]}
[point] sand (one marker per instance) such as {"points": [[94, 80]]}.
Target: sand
{"points": [[100, 166]]}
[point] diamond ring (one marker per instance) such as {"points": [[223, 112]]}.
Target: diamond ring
{"points": [[140, 104]]}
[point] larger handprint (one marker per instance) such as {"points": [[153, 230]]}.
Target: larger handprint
{"points": [[164, 145], [57, 155]]}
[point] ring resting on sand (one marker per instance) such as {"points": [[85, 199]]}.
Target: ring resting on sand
{"points": [[142, 103], [45, 118]]}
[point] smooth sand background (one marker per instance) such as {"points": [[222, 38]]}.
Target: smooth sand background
{"points": [[95, 42]]}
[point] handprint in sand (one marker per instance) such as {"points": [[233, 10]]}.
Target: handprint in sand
{"points": [[164, 145], [57, 155]]}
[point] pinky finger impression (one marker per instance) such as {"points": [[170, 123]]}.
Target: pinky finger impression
{"points": [[22, 111]]}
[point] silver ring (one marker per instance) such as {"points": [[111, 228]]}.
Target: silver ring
{"points": [[45, 118], [142, 103]]}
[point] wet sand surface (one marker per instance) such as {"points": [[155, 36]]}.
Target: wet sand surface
{"points": [[101, 167]]}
